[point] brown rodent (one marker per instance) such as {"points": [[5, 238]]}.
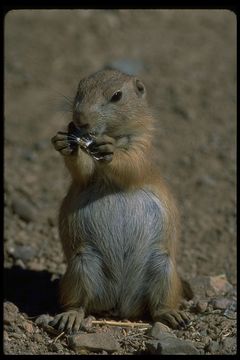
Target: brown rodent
{"points": [[118, 223]]}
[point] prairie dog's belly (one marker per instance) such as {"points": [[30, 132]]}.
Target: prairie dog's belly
{"points": [[117, 222], [118, 233]]}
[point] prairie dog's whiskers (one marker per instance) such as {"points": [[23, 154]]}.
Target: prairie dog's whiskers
{"points": [[63, 103]]}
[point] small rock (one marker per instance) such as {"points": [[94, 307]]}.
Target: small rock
{"points": [[18, 336], [168, 344], [9, 306], [200, 285], [116, 331], [5, 336], [38, 338], [43, 319], [201, 306], [83, 352], [23, 209], [212, 347], [233, 306], [26, 325], [15, 329], [10, 313], [22, 252], [87, 323], [157, 330], [94, 342], [56, 347], [220, 303], [230, 314], [230, 344], [203, 333], [210, 285], [206, 339], [220, 284]]}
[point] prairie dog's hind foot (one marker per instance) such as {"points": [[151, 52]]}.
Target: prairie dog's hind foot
{"points": [[174, 318], [69, 321]]}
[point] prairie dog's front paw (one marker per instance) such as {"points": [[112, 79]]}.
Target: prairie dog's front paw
{"points": [[102, 148], [61, 143]]}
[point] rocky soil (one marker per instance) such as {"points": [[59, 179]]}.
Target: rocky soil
{"points": [[187, 60]]}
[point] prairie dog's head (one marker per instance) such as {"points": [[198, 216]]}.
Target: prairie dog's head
{"points": [[111, 102]]}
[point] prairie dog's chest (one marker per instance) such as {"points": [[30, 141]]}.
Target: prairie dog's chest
{"points": [[116, 218]]}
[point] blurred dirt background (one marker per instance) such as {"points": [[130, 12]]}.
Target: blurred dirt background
{"points": [[187, 60]]}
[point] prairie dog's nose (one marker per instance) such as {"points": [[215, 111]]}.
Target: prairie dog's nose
{"points": [[79, 118], [80, 115]]}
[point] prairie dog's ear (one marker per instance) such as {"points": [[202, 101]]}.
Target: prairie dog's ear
{"points": [[139, 88]]}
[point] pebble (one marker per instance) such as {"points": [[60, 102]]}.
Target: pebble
{"points": [[201, 306], [23, 209], [38, 338], [212, 346], [209, 286], [26, 325], [18, 336], [220, 303], [56, 347], [220, 284], [15, 329], [206, 339], [94, 342], [116, 331], [170, 345], [87, 323], [43, 319], [233, 306], [10, 313], [230, 344], [22, 252], [203, 333], [157, 330], [5, 336]]}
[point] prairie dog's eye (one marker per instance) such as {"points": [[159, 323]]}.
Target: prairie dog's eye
{"points": [[116, 96]]}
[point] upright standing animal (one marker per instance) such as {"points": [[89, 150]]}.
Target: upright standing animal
{"points": [[118, 223]]}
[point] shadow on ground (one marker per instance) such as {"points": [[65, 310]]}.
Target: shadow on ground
{"points": [[33, 292]]}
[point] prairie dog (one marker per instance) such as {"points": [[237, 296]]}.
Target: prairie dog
{"points": [[118, 223]]}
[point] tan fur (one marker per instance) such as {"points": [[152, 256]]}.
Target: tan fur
{"points": [[130, 169]]}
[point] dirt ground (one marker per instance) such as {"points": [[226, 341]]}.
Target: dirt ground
{"points": [[187, 60]]}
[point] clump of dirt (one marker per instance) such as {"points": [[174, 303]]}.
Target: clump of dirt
{"points": [[187, 60]]}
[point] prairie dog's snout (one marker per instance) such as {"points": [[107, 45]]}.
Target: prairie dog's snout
{"points": [[89, 121]]}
